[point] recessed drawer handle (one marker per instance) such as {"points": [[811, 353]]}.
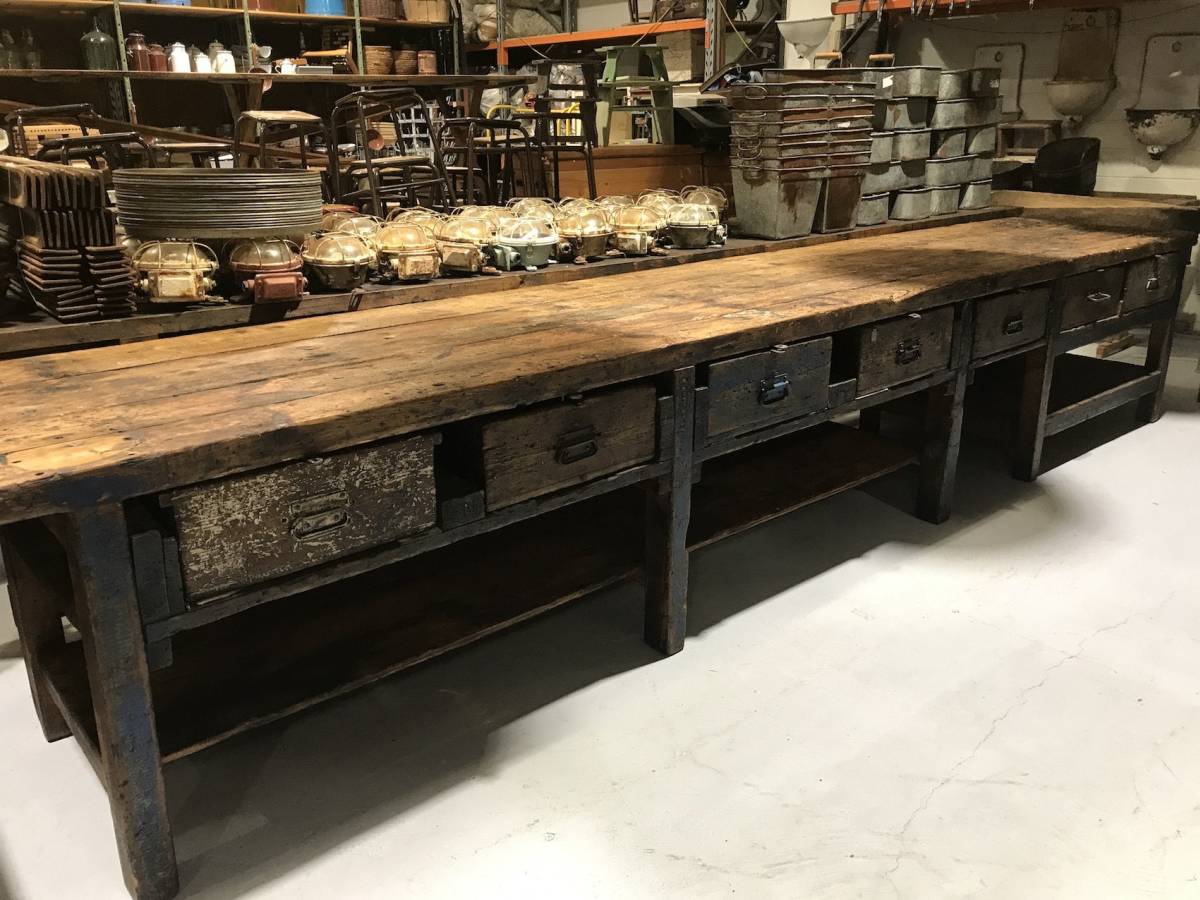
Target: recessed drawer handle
{"points": [[908, 351], [576, 446], [774, 389], [1100, 297], [1152, 284], [1014, 324]]}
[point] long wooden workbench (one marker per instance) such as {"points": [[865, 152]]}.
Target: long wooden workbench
{"points": [[196, 507]]}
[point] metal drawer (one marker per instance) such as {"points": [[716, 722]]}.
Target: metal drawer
{"points": [[904, 349], [774, 385], [1091, 296], [1152, 280], [1009, 320], [568, 442], [247, 529]]}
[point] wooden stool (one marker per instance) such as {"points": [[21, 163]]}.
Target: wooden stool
{"points": [[636, 67]]}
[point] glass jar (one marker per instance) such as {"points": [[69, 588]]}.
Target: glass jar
{"points": [[158, 58], [99, 49], [137, 54], [30, 53]]}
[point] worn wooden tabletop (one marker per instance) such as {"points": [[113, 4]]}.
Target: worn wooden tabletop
{"points": [[113, 422]]}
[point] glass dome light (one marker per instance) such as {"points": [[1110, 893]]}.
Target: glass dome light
{"points": [[532, 208], [403, 237], [366, 227], [640, 218], [174, 255], [466, 229], [697, 214], [520, 231], [337, 248], [263, 254], [709, 195], [584, 223]]}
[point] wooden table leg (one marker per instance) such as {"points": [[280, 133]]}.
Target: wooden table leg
{"points": [[1158, 357], [114, 648], [37, 610], [1031, 414], [943, 425], [668, 511], [939, 449]]}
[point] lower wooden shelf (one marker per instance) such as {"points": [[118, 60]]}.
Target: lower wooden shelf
{"points": [[263, 664], [1085, 387]]}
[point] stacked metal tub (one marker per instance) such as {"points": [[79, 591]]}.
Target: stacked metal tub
{"points": [[903, 97], [799, 152], [964, 122]]}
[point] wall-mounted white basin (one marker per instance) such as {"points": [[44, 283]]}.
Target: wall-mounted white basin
{"points": [[1158, 130], [1075, 99]]}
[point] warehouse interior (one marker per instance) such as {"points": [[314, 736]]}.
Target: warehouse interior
{"points": [[591, 449]]}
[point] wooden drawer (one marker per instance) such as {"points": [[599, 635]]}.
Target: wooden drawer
{"points": [[560, 444], [1091, 296], [904, 349], [1009, 320], [1152, 280], [250, 528], [772, 386]]}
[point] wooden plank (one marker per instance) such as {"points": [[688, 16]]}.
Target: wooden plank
{"points": [[108, 619], [1105, 401], [943, 426], [420, 366]]}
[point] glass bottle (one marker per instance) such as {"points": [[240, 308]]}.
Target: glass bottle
{"points": [[99, 48], [9, 55], [137, 54], [30, 51]]}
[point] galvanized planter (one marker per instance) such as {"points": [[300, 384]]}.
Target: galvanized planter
{"points": [[873, 209], [894, 115], [894, 176], [943, 200], [969, 113], [955, 170], [981, 140], [952, 142], [976, 195], [958, 84], [837, 209], [776, 205], [910, 204], [912, 144], [890, 82]]}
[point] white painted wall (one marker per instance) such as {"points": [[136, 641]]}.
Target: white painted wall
{"points": [[1124, 165]]}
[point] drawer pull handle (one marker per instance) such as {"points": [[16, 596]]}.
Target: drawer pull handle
{"points": [[1014, 324], [576, 446], [313, 517], [774, 389], [1152, 284], [908, 351], [1100, 297]]}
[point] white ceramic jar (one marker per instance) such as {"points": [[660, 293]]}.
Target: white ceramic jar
{"points": [[179, 60]]}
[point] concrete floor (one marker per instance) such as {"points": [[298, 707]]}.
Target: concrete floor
{"points": [[1005, 706]]}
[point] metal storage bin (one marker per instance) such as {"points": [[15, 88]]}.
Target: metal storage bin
{"points": [[893, 115], [981, 140], [776, 205], [976, 195], [952, 142], [943, 200], [873, 209], [941, 172], [912, 144], [910, 204], [894, 176], [841, 192]]}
